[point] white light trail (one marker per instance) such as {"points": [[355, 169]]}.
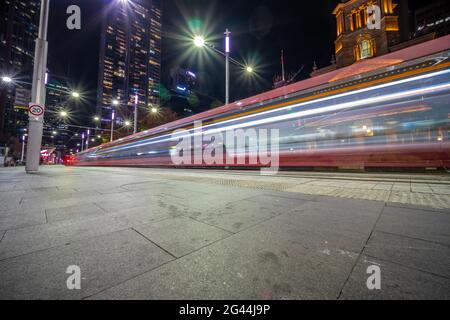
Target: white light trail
{"points": [[347, 105]]}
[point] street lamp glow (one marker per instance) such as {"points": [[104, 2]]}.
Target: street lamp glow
{"points": [[115, 102], [127, 123], [54, 133], [7, 79], [63, 114], [96, 118], [199, 41], [154, 110], [75, 94], [249, 69]]}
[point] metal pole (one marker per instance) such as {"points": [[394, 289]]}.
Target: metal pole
{"points": [[38, 91], [136, 101], [87, 139], [82, 142], [227, 66], [113, 116], [23, 149]]}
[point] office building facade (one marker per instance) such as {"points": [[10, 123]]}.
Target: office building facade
{"points": [[18, 31], [130, 58]]}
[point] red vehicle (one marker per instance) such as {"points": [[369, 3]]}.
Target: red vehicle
{"points": [[69, 160]]}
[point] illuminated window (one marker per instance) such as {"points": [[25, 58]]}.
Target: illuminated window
{"points": [[388, 6], [366, 49]]}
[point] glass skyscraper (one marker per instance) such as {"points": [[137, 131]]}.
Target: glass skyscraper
{"points": [[130, 57], [18, 32]]}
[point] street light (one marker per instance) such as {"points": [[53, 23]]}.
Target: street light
{"points": [[63, 114], [136, 102], [115, 102], [96, 119], [154, 110], [227, 66], [113, 117], [7, 79], [75, 94], [127, 123], [199, 41], [23, 149]]}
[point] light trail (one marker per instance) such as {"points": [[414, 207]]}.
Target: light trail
{"points": [[347, 105]]}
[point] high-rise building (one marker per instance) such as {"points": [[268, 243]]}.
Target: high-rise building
{"points": [[18, 32], [130, 57]]}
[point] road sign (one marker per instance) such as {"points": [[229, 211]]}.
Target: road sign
{"points": [[36, 110]]}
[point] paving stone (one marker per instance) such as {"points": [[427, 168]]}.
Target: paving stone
{"points": [[256, 264], [419, 224], [103, 261], [335, 218], [30, 239], [413, 253], [181, 236], [74, 212], [16, 219], [242, 214], [397, 283], [401, 186]]}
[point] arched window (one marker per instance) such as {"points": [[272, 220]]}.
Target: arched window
{"points": [[363, 50], [366, 49]]}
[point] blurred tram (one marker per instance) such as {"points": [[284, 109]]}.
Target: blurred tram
{"points": [[389, 111]]}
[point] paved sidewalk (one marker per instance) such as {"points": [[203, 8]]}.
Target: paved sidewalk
{"points": [[179, 234]]}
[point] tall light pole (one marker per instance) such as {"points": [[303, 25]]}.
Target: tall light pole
{"points": [[200, 42], [87, 139], [113, 117], [82, 142], [227, 66], [36, 124], [23, 149], [136, 102]]}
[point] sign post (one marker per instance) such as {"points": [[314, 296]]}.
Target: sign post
{"points": [[36, 109]]}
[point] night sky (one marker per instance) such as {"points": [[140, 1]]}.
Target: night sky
{"points": [[305, 30]]}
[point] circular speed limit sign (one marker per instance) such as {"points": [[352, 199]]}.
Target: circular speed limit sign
{"points": [[36, 110]]}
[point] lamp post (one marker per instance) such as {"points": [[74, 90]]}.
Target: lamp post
{"points": [[227, 66], [36, 125], [87, 139], [199, 41], [23, 149], [136, 102], [113, 117]]}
